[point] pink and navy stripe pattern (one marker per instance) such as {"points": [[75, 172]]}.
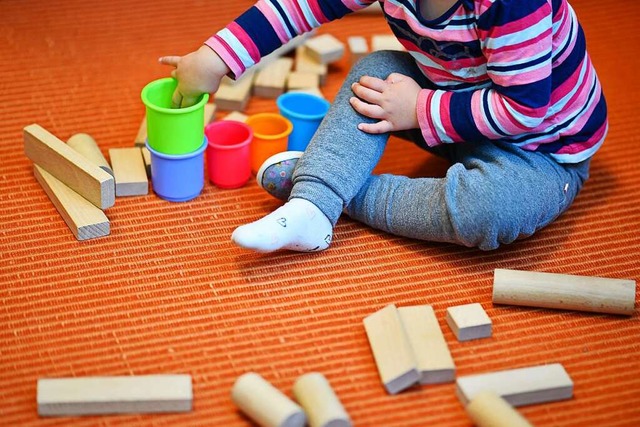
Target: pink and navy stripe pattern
{"points": [[501, 70]]}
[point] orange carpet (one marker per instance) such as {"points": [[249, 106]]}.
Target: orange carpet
{"points": [[167, 292]]}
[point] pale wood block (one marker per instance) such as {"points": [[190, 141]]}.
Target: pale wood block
{"points": [[391, 349], [271, 80], [85, 220], [87, 146], [234, 95], [523, 386], [302, 80], [265, 404], [236, 116], [488, 409], [430, 349], [385, 42], [209, 112], [358, 47], [130, 171], [69, 166], [307, 64], [141, 137], [146, 156], [311, 90], [325, 48], [469, 322], [564, 291], [320, 402], [114, 395]]}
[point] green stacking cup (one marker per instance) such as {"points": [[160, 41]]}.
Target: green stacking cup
{"points": [[172, 130]]}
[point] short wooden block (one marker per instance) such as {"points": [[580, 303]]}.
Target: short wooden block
{"points": [[391, 349], [320, 402], [325, 48], [130, 171], [141, 137], [311, 90], [85, 220], [523, 386], [69, 166], [358, 48], [302, 80], [234, 95], [564, 291], [114, 395], [385, 42], [87, 146], [304, 63], [430, 349], [146, 156], [265, 404], [469, 322], [488, 409], [209, 112], [271, 80], [236, 116]]}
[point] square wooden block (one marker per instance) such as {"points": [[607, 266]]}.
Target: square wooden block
{"points": [[469, 322]]}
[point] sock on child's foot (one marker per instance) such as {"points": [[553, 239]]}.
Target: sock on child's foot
{"points": [[298, 225]]}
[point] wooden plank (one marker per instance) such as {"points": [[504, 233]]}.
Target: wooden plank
{"points": [[114, 395], [130, 171], [271, 80], [385, 42], [320, 402], [141, 136], [265, 404], [430, 349], [311, 90], [87, 146], [358, 48], [469, 322], [523, 386], [325, 48], [391, 349], [234, 95], [85, 220], [146, 156], [209, 112], [302, 80], [488, 409], [237, 116], [69, 166], [304, 63], [564, 291]]}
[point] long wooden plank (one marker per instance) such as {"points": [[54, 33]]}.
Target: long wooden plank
{"points": [[130, 171], [522, 386], [83, 219], [69, 166], [114, 395]]}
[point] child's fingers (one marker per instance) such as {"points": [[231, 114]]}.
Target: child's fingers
{"points": [[176, 99], [383, 126], [169, 60], [366, 94], [188, 101], [373, 83], [369, 110]]}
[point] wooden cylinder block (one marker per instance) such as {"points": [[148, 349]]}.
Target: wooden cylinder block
{"points": [[265, 404], [564, 291], [87, 146], [320, 402], [488, 409]]}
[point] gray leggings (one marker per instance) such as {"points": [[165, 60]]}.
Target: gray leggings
{"points": [[494, 193]]}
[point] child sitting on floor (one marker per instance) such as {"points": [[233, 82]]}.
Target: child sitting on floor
{"points": [[505, 90]]}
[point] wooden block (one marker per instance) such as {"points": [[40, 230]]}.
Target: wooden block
{"points": [[325, 48], [114, 395], [523, 386], [430, 349], [302, 80], [358, 48], [265, 404], [320, 402], [306, 64], [469, 322], [271, 80], [209, 112], [312, 90], [146, 156], [385, 42], [564, 291], [69, 166], [87, 146], [237, 116], [488, 409], [85, 220], [141, 137], [234, 95], [130, 171], [391, 349]]}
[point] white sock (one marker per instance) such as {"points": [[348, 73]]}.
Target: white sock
{"points": [[298, 225]]}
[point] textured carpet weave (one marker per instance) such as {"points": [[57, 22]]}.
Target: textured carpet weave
{"points": [[166, 291]]}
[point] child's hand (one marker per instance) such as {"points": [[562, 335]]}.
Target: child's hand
{"points": [[197, 73], [392, 101]]}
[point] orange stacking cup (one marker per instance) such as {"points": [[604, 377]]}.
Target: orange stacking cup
{"points": [[270, 136]]}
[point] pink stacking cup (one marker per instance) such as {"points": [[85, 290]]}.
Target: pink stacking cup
{"points": [[228, 155]]}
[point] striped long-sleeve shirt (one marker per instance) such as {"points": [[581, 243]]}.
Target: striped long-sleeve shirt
{"points": [[502, 70]]}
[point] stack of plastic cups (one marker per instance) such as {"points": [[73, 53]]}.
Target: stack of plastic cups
{"points": [[176, 141]]}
